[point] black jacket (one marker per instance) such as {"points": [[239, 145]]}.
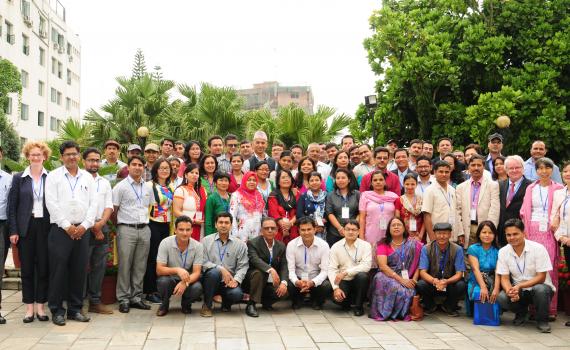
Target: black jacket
{"points": [[514, 208], [258, 255], [21, 204]]}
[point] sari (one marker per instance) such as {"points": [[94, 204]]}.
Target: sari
{"points": [[389, 299]]}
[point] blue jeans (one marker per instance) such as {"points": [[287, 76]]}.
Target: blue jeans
{"points": [[213, 284]]}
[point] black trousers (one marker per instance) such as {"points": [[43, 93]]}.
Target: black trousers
{"points": [[332, 239], [166, 285], [158, 232], [260, 291], [33, 250], [319, 294], [355, 290], [68, 261], [454, 292], [3, 232]]}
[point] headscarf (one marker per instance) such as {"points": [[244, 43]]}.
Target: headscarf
{"points": [[252, 200]]}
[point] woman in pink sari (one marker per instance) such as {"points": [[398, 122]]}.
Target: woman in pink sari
{"points": [[535, 213], [376, 209]]}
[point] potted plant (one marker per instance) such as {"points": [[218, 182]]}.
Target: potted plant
{"points": [[563, 285], [109, 286]]}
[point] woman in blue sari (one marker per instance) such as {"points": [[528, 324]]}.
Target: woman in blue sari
{"points": [[393, 287], [482, 257]]}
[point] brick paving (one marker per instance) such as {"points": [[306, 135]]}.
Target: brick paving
{"points": [[280, 329]]}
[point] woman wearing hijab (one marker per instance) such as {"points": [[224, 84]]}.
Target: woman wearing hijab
{"points": [[246, 207]]}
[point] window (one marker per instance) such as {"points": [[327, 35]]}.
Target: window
{"points": [[53, 124], [68, 48], [59, 98], [23, 140], [25, 9], [9, 106], [294, 95], [53, 66], [25, 78], [40, 118], [41, 87], [68, 77], [67, 103], [59, 70], [59, 124], [24, 111], [10, 37], [25, 45], [53, 95], [42, 27], [42, 56]]}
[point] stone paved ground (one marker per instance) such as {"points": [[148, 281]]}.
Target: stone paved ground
{"points": [[281, 329]]}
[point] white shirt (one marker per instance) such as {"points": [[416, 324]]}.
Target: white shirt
{"points": [[38, 189], [5, 185], [422, 186], [104, 195], [70, 200], [316, 257], [324, 169], [362, 169], [533, 259], [440, 204], [133, 200], [353, 260]]}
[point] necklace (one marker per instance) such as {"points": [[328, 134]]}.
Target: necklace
{"points": [[397, 244]]}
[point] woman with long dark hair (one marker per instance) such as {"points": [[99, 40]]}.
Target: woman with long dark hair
{"points": [[499, 170], [190, 199], [304, 169], [456, 176], [282, 206], [393, 287], [236, 173], [192, 154], [341, 161], [341, 205], [208, 167]]}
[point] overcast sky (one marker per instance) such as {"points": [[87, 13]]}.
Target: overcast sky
{"points": [[228, 43]]}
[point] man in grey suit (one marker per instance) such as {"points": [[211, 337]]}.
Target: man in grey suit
{"points": [[267, 276]]}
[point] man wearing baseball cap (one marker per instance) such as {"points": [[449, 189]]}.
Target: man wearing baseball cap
{"points": [[495, 146], [132, 150], [112, 150], [151, 152]]}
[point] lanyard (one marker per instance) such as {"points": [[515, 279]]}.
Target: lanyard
{"points": [[442, 259], [305, 257], [355, 253], [422, 186], [344, 200], [185, 255], [270, 254], [524, 264], [382, 209], [74, 186], [564, 205], [220, 252], [545, 203], [402, 253], [39, 193], [447, 198], [139, 196], [98, 181]]}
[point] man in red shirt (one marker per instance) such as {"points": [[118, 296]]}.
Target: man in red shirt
{"points": [[382, 155]]}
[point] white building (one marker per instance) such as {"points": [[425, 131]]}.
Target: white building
{"points": [[34, 36]]}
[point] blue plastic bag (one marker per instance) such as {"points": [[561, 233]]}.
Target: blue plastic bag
{"points": [[485, 314]]}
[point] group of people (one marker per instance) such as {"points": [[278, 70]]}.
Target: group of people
{"points": [[231, 224]]}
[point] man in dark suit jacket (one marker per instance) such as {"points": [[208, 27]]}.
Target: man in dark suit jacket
{"points": [[267, 276], [511, 194]]}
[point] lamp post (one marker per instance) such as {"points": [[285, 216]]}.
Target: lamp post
{"points": [[371, 103], [142, 134]]}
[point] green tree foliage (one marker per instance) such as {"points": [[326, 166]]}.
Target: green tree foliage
{"points": [[9, 83], [451, 67], [139, 66]]}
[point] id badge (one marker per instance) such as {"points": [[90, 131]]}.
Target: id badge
{"points": [[405, 275], [383, 224], [543, 225], [305, 276], [345, 213], [413, 224], [319, 221], [563, 229], [473, 214], [198, 215], [38, 212]]}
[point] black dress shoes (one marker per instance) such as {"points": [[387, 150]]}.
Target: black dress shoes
{"points": [[42, 318], [251, 310], [2, 320], [140, 305], [58, 320], [79, 317], [358, 311], [124, 307], [28, 319]]}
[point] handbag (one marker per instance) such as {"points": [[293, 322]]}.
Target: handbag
{"points": [[485, 314], [416, 309]]}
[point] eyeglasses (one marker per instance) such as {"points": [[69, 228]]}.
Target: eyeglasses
{"points": [[232, 145], [70, 155], [93, 160]]}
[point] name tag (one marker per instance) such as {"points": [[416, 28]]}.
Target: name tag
{"points": [[319, 221], [405, 275], [543, 225], [198, 215], [563, 229], [383, 224], [451, 219], [413, 224], [345, 213], [473, 214]]}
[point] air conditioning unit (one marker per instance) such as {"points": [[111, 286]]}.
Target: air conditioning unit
{"points": [[43, 34], [56, 46], [70, 57], [28, 21]]}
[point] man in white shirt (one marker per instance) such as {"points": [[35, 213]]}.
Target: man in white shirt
{"points": [[368, 163], [415, 150], [313, 152], [523, 266], [477, 200], [99, 233], [350, 260], [308, 261], [425, 178], [71, 201], [5, 184], [131, 199], [438, 203]]}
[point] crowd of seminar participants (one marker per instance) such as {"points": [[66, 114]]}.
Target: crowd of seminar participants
{"points": [[350, 224]]}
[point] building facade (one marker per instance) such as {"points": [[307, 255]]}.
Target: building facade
{"points": [[34, 36], [271, 95]]}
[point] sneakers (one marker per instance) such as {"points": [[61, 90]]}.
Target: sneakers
{"points": [[206, 311]]}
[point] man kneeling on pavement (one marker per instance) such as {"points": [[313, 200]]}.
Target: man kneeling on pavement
{"points": [[178, 267]]}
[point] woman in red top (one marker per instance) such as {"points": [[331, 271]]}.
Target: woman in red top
{"points": [[236, 174], [283, 206], [409, 208]]}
